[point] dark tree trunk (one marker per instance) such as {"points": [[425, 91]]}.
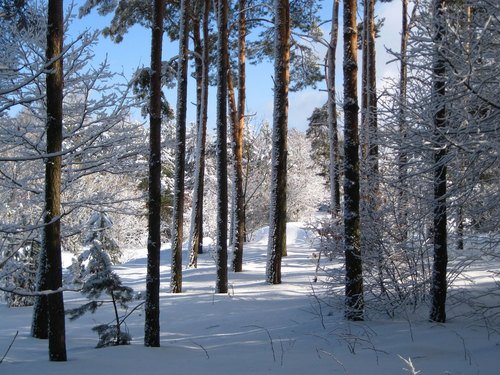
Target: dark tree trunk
{"points": [[332, 114], [372, 105], [371, 188], [40, 322], [403, 128], [201, 75], [233, 123], [369, 126], [52, 216], [460, 228], [180, 152], [152, 307], [222, 196], [352, 235], [439, 284], [364, 85], [277, 217], [239, 200]]}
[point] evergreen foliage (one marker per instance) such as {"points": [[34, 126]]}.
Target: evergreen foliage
{"points": [[19, 272], [317, 132], [97, 279], [98, 224]]}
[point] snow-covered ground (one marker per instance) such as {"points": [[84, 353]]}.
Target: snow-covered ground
{"points": [[256, 329]]}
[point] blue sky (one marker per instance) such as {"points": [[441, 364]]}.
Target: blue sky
{"points": [[134, 51]]}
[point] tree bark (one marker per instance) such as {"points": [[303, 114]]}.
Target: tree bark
{"points": [[152, 307], [364, 84], [40, 321], [221, 117], [352, 235], [403, 128], [277, 217], [238, 131], [52, 216], [332, 113], [372, 106], [196, 237], [439, 270], [180, 153]]}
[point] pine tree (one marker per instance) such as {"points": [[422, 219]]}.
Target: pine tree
{"points": [[334, 153], [278, 212], [52, 215], [352, 234], [318, 134], [180, 151], [238, 235], [97, 278], [99, 224], [152, 308], [222, 196], [196, 232], [439, 272]]}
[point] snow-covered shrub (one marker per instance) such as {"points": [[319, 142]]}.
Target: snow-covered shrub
{"points": [[97, 279], [19, 272], [99, 225]]}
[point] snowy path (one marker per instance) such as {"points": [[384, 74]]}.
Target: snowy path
{"points": [[256, 329]]}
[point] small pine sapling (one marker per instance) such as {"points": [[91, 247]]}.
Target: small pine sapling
{"points": [[97, 278], [99, 225]]}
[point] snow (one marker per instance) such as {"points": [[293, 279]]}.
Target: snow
{"points": [[256, 328]]}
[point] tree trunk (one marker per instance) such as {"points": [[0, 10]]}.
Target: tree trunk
{"points": [[233, 123], [40, 321], [332, 113], [239, 198], [403, 128], [373, 234], [372, 107], [439, 284], [460, 229], [277, 217], [180, 152], [52, 216], [196, 235], [369, 127], [352, 235], [222, 199], [364, 85], [152, 309]]}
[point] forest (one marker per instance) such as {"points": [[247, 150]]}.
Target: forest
{"points": [[118, 210]]}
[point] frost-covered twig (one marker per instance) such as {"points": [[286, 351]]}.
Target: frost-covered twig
{"points": [[409, 366], [28, 293], [333, 357]]}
